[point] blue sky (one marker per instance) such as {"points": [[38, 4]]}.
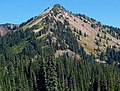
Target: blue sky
{"points": [[17, 11]]}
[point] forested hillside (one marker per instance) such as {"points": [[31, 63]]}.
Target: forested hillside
{"points": [[28, 60]]}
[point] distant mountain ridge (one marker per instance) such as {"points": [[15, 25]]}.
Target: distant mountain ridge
{"points": [[4, 28]]}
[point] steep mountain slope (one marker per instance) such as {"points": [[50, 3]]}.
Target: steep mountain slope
{"points": [[60, 51], [4, 28], [90, 34]]}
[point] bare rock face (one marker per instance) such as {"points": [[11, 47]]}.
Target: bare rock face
{"points": [[70, 53]]}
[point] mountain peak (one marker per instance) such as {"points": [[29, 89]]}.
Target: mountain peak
{"points": [[84, 29], [55, 8], [57, 5]]}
